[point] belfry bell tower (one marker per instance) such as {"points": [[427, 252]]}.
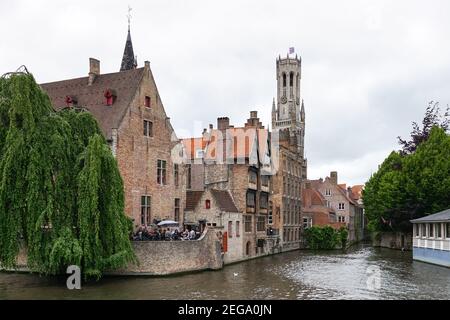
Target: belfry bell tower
{"points": [[288, 112]]}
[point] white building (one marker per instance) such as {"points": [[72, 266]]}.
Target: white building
{"points": [[431, 238]]}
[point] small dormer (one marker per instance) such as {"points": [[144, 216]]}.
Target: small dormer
{"points": [[71, 101], [110, 96]]}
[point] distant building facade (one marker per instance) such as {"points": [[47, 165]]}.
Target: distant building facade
{"points": [[341, 199]]}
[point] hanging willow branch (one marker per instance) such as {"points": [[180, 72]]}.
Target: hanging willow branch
{"points": [[61, 193]]}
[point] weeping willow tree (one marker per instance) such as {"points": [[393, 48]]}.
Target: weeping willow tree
{"points": [[61, 194]]}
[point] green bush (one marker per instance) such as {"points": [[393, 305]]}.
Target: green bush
{"points": [[326, 238]]}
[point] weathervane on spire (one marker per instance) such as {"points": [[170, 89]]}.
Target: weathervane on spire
{"points": [[129, 17]]}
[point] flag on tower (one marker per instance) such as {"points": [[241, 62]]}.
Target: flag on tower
{"points": [[291, 50]]}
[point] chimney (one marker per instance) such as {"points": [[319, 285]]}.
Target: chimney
{"points": [[223, 123], [253, 114], [94, 70], [334, 177]]}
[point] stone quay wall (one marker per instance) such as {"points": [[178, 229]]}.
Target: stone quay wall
{"points": [[158, 258], [393, 240]]}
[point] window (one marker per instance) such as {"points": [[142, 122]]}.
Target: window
{"points": [[284, 80], [208, 204], [199, 154], [176, 174], [438, 230], [161, 172], [417, 230], [148, 128], [264, 200], [270, 216], [265, 180], [248, 223], [328, 204], [251, 199], [430, 230], [230, 229], [145, 210], [341, 206], [189, 177], [341, 219], [261, 224], [252, 177], [177, 209], [238, 229], [328, 192], [447, 231], [148, 102], [305, 223], [291, 80], [424, 230]]}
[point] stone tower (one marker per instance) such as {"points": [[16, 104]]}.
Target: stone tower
{"points": [[288, 112]]}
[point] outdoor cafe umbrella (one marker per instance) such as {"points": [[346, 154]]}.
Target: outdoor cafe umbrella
{"points": [[168, 223]]}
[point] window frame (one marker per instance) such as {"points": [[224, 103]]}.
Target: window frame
{"points": [[148, 102], [261, 224], [230, 229], [238, 231], [248, 228], [341, 206], [148, 128], [146, 204], [177, 209], [161, 172]]}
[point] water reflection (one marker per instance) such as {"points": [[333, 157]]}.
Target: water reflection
{"points": [[295, 275]]}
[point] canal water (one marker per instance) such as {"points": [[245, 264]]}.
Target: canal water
{"points": [[361, 273]]}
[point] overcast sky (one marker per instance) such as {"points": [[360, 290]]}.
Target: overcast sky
{"points": [[369, 67]]}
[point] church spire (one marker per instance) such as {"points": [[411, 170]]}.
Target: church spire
{"points": [[128, 59]]}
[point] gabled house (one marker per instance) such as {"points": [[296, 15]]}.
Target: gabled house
{"points": [[131, 115]]}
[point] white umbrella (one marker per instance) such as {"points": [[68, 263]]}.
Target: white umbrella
{"points": [[168, 223]]}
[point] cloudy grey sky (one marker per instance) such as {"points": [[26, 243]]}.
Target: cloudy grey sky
{"points": [[369, 67]]}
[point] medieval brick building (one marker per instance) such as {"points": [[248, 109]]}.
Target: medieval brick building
{"points": [[131, 115], [288, 125]]}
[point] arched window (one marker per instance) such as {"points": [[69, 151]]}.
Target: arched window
{"points": [[284, 80], [298, 80], [291, 80]]}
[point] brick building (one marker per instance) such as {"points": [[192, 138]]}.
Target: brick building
{"points": [[237, 161], [131, 115], [341, 199], [288, 125]]}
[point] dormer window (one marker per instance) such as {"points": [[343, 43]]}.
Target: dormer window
{"points": [[110, 97], [71, 101], [208, 204], [148, 102]]}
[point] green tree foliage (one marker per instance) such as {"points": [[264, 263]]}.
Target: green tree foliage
{"points": [[61, 194], [325, 237], [409, 186]]}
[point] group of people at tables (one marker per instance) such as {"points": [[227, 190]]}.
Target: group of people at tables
{"points": [[165, 234]]}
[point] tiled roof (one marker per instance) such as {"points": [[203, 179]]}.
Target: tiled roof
{"points": [[443, 216], [124, 84], [224, 200]]}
